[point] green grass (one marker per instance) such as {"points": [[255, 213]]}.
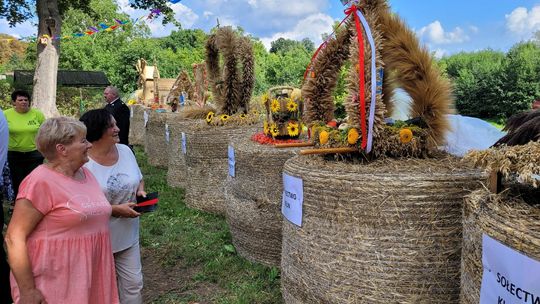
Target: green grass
{"points": [[201, 244], [499, 124]]}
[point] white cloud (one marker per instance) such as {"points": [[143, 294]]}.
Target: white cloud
{"points": [[523, 22], [207, 14], [311, 27], [184, 15], [25, 29], [124, 7], [435, 33]]}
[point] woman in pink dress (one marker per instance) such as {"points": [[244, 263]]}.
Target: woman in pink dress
{"points": [[58, 241]]}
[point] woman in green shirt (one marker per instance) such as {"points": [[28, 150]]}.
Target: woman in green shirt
{"points": [[23, 124]]}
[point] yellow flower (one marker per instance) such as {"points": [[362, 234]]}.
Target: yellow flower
{"points": [[209, 117], [352, 136], [323, 137], [405, 135], [274, 130], [292, 129], [131, 102], [291, 105], [224, 117], [255, 112], [266, 129], [243, 115], [264, 98], [274, 106]]}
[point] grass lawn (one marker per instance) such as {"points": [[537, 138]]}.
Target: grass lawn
{"points": [[188, 255], [496, 123]]}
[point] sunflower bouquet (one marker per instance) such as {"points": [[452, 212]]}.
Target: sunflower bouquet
{"points": [[283, 113]]}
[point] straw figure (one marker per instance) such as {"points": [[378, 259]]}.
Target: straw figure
{"points": [[390, 57], [230, 72], [384, 225], [508, 212], [182, 92], [283, 112], [137, 128]]}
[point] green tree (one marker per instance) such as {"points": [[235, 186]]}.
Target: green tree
{"points": [[50, 15], [522, 77]]}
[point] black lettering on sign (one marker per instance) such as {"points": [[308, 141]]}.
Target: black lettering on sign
{"points": [[287, 205], [290, 195], [500, 301]]}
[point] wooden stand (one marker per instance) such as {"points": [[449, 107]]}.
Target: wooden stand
{"points": [[294, 145], [328, 151]]}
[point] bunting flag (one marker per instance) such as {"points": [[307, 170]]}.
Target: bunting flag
{"points": [[92, 30]]}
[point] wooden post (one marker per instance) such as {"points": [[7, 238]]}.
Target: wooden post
{"points": [[494, 183]]}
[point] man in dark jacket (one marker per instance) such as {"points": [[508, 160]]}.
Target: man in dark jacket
{"points": [[119, 111]]}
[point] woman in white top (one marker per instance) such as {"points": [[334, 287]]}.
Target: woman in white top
{"points": [[116, 169]]}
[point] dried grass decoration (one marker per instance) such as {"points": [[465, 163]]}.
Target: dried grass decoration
{"points": [[177, 168], [207, 142], [512, 217], [156, 142], [283, 106], [254, 200], [388, 231], [359, 40], [207, 166], [137, 128]]}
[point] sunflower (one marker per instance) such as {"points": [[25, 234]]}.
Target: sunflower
{"points": [[291, 105], [210, 116], [131, 102], [266, 129], [274, 130], [352, 136], [224, 117], [405, 135], [243, 115], [323, 137], [292, 129], [264, 98], [274, 106]]}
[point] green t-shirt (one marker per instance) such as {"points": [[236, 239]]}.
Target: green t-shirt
{"points": [[23, 129]]}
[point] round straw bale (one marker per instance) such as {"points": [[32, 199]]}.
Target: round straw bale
{"points": [[136, 124], [511, 217], [156, 143], [253, 207], [207, 165], [388, 231], [177, 169]]}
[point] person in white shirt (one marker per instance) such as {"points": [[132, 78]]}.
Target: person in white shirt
{"points": [[116, 170]]}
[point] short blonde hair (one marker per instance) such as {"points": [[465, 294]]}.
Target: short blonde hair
{"points": [[57, 130]]}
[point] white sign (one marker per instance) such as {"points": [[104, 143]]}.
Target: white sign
{"points": [[183, 142], [509, 276], [167, 132], [131, 112], [293, 197], [145, 115], [232, 162]]}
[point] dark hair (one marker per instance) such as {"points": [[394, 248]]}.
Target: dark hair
{"points": [[19, 93], [97, 122]]}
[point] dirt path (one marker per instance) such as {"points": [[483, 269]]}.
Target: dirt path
{"points": [[165, 284]]}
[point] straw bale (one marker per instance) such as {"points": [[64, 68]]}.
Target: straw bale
{"points": [[136, 125], [253, 206], [156, 144], [522, 161], [512, 217], [207, 165], [177, 169], [388, 231]]}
